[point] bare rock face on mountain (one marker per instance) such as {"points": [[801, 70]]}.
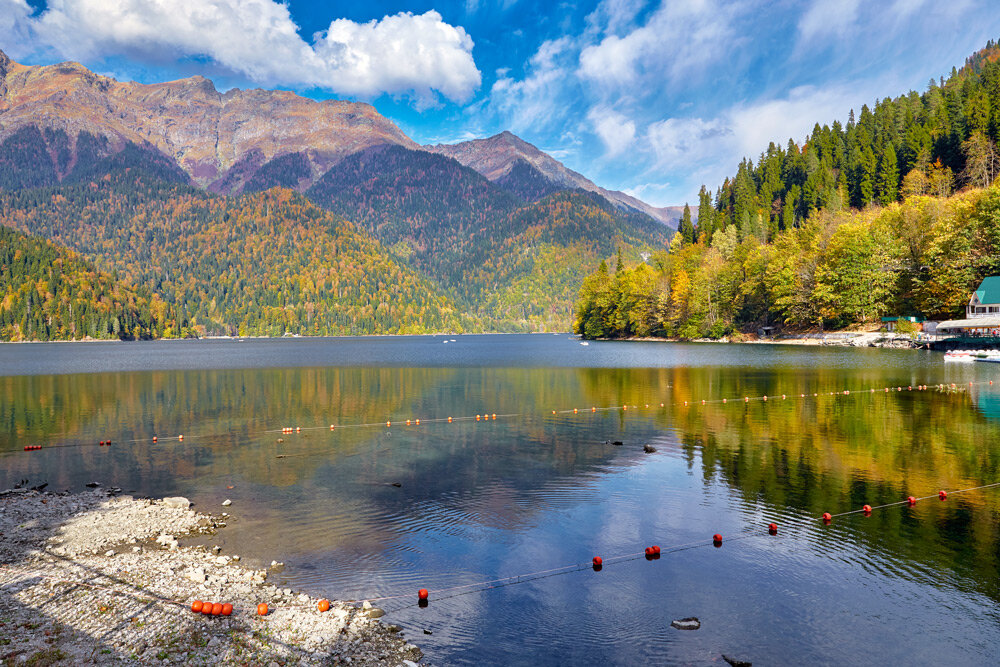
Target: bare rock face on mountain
{"points": [[513, 163], [207, 132]]}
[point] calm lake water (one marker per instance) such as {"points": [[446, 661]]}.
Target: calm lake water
{"points": [[531, 490]]}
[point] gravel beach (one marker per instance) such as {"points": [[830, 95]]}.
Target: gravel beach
{"points": [[99, 578]]}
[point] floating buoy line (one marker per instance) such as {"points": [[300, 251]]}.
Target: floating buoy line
{"points": [[488, 417], [597, 563], [424, 596]]}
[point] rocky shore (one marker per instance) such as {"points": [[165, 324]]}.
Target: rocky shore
{"points": [[99, 578]]}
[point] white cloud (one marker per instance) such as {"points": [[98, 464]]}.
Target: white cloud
{"points": [[615, 130], [828, 18], [678, 39], [708, 150], [676, 141], [532, 102], [14, 18], [419, 55]]}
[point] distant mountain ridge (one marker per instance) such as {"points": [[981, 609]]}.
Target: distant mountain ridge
{"points": [[212, 136], [499, 156], [228, 207], [222, 140]]}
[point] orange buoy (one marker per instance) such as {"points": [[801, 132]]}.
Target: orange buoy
{"points": [[180, 437], [227, 609], [867, 509], [407, 422], [911, 500], [323, 605], [217, 609], [154, 438], [418, 422], [943, 495], [782, 397], [703, 401], [827, 517], [746, 399], [724, 401], [624, 407], [772, 529], [598, 561], [388, 424], [422, 594], [494, 416], [262, 609], [574, 411], [449, 420], [196, 606], [656, 550], [593, 409], [477, 416], [332, 427], [717, 540], [206, 608], [765, 397]]}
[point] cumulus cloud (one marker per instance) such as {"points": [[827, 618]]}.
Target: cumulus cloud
{"points": [[615, 130], [415, 54]]}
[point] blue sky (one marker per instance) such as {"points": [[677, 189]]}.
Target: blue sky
{"points": [[654, 98]]}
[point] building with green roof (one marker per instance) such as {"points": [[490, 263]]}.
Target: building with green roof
{"points": [[982, 315]]}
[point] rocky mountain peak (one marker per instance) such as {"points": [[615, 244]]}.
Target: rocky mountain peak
{"points": [[205, 132]]}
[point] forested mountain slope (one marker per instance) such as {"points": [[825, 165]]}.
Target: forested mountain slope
{"points": [[50, 293]]}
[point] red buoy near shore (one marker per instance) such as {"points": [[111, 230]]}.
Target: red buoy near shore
{"points": [[656, 550], [827, 517], [217, 609], [717, 540], [772, 529], [422, 594], [867, 509], [196, 606], [943, 495], [262, 609], [598, 562], [227, 609], [911, 500]]}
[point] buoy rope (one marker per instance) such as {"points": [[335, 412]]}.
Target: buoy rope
{"points": [[872, 508], [414, 422], [745, 533]]}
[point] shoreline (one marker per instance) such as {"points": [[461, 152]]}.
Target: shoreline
{"points": [[830, 339], [99, 578]]}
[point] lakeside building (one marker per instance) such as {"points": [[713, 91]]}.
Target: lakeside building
{"points": [[982, 315]]}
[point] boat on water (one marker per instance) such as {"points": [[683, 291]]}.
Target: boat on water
{"points": [[968, 356]]}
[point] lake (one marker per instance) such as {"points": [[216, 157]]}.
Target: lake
{"points": [[369, 510]]}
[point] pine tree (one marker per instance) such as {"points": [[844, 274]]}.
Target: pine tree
{"points": [[687, 227], [887, 177]]}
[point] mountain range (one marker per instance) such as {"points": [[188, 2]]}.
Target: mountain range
{"points": [[491, 234]]}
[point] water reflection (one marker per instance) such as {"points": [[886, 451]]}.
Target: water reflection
{"points": [[365, 510]]}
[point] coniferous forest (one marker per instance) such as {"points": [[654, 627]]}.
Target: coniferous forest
{"points": [[894, 213]]}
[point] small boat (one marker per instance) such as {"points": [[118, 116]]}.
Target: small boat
{"points": [[583, 342], [959, 355], [991, 358]]}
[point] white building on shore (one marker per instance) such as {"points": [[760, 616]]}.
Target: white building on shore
{"points": [[982, 315]]}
